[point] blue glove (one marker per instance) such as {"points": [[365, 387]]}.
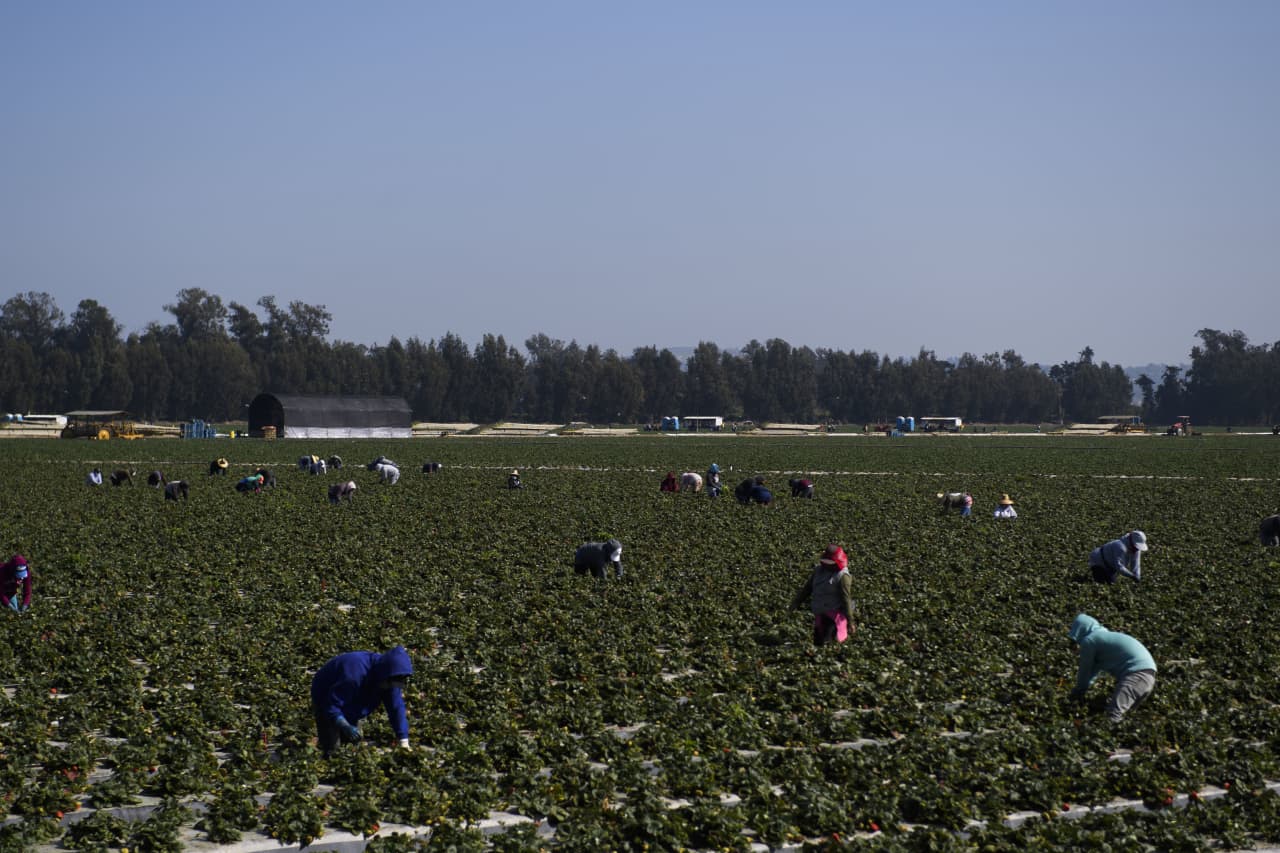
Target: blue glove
{"points": [[13, 604], [350, 734]]}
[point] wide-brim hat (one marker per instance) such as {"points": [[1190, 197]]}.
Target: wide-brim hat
{"points": [[1006, 501]]}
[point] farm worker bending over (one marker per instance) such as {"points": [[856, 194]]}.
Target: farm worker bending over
{"points": [[1124, 657], [342, 491], [753, 490], [252, 483], [94, 477], [15, 584], [1269, 530], [691, 481], [669, 483], [175, 489], [1121, 556], [218, 466], [713, 481], [513, 480], [1005, 509], [351, 686], [829, 591], [962, 501], [801, 488], [155, 479], [595, 557]]}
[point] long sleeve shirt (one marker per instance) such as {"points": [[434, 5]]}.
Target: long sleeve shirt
{"points": [[1117, 556], [826, 589]]}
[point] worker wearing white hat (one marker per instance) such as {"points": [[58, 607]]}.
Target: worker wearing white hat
{"points": [[1118, 557]]}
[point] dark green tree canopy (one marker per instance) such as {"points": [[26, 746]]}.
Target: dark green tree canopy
{"points": [[214, 358]]}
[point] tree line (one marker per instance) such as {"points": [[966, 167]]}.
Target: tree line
{"points": [[215, 357]]}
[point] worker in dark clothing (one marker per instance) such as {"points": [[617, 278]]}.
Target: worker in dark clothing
{"points": [[513, 480], [753, 491], [175, 489], [1269, 530], [351, 686], [218, 467], [801, 487], [595, 557], [829, 592], [669, 483]]}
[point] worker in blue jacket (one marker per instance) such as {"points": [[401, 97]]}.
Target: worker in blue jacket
{"points": [[351, 686], [1101, 650], [1118, 557]]}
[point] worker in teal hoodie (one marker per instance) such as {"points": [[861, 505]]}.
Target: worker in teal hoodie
{"points": [[1124, 657], [351, 686]]}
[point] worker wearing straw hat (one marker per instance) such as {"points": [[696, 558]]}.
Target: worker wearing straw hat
{"points": [[1005, 508]]}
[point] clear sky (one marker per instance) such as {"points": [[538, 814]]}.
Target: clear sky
{"points": [[962, 176]]}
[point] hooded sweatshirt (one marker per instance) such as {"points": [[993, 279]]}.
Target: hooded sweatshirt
{"points": [[597, 555], [350, 686], [1106, 651]]}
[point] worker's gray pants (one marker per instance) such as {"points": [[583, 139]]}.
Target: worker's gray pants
{"points": [[1130, 690]]}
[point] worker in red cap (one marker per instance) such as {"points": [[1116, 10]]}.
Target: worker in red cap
{"points": [[15, 584], [829, 592]]}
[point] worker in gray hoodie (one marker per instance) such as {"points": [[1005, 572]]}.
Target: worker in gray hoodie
{"points": [[1101, 650], [1118, 557], [595, 557]]}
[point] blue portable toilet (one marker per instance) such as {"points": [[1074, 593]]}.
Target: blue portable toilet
{"points": [[671, 424], [911, 424]]}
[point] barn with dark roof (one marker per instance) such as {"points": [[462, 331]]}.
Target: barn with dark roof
{"points": [[322, 416]]}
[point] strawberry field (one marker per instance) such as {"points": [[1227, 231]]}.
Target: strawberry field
{"points": [[156, 694]]}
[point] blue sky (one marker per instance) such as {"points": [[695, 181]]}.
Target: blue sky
{"points": [[962, 176]]}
